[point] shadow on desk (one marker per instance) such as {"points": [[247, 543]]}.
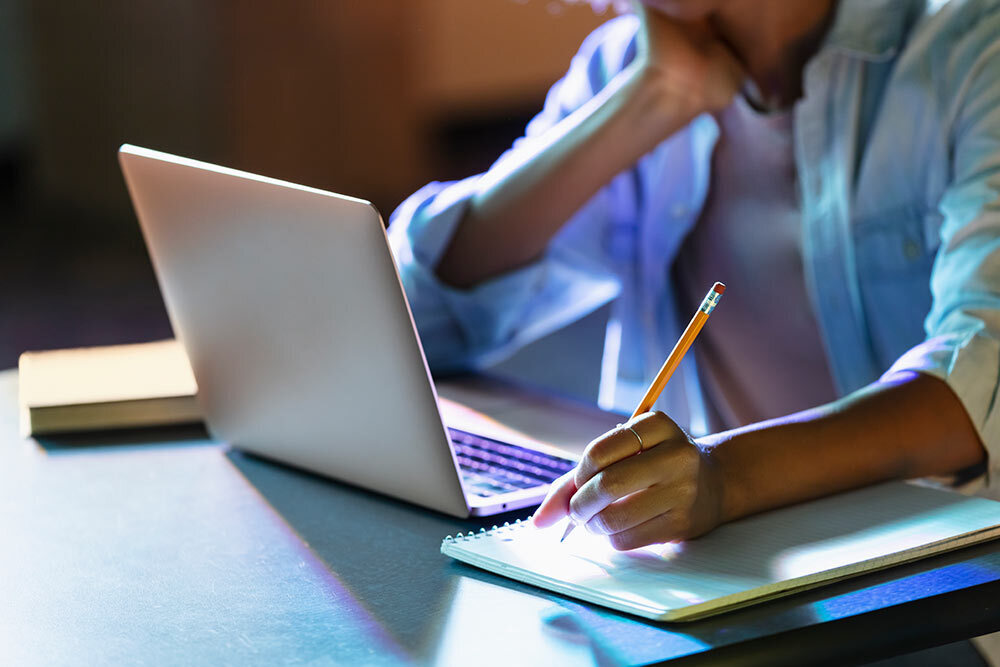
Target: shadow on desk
{"points": [[183, 435], [386, 552]]}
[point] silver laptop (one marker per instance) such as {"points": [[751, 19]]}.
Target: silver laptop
{"points": [[291, 310]]}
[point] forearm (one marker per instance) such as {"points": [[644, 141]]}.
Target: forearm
{"points": [[912, 426], [524, 201]]}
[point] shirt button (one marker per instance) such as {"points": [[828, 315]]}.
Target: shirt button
{"points": [[679, 210], [910, 249]]}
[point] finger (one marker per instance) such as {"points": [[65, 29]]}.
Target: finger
{"points": [[666, 527], [666, 465], [634, 510], [556, 503], [647, 430]]}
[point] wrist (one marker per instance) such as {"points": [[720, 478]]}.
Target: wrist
{"points": [[708, 89], [728, 482], [655, 109]]}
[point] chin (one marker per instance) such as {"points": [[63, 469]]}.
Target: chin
{"points": [[685, 10]]}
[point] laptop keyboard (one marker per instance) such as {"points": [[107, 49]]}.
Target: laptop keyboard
{"points": [[490, 467]]}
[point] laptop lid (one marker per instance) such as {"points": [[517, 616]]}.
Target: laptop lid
{"points": [[290, 307]]}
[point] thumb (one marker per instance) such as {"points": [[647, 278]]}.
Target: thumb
{"points": [[556, 503]]}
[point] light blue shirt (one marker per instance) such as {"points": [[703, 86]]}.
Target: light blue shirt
{"points": [[897, 145]]}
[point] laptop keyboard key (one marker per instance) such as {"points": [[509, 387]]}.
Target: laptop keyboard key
{"points": [[490, 467]]}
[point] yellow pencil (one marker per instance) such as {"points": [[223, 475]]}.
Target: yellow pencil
{"points": [[708, 304]]}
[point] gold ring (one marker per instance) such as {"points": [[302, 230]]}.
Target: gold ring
{"points": [[637, 437]]}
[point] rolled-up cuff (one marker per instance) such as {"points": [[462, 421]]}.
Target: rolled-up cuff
{"points": [[433, 213], [480, 325], [502, 314]]}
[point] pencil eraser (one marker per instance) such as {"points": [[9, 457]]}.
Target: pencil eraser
{"points": [[719, 287]]}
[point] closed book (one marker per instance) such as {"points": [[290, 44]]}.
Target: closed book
{"points": [[108, 387]]}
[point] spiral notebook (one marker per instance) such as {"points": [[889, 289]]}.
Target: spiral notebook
{"points": [[741, 563]]}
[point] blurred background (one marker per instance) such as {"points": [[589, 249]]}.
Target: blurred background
{"points": [[370, 98]]}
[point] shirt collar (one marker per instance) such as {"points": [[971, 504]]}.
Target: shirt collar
{"points": [[872, 29]]}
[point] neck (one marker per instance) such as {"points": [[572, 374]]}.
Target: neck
{"points": [[774, 39]]}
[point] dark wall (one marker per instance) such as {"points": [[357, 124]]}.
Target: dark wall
{"points": [[368, 98]]}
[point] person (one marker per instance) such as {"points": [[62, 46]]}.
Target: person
{"points": [[837, 164]]}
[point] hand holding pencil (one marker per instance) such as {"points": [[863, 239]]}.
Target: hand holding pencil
{"points": [[673, 491]]}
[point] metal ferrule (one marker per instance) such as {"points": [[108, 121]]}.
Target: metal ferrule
{"points": [[710, 302]]}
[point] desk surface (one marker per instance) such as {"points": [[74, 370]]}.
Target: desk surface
{"points": [[165, 547]]}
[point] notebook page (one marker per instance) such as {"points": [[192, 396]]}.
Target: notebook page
{"points": [[755, 558]]}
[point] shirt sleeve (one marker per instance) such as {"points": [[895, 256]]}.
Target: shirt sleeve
{"points": [[963, 326], [465, 328]]}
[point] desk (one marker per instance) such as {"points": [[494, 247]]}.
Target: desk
{"points": [[164, 547]]}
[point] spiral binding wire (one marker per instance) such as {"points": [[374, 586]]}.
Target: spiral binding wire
{"points": [[495, 530]]}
